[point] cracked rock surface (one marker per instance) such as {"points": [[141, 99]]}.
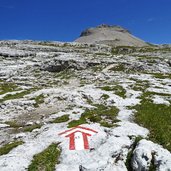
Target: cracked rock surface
{"points": [[49, 87]]}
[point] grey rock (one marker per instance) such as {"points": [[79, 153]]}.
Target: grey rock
{"points": [[110, 35]]}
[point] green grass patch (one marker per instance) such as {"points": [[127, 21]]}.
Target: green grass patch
{"points": [[108, 88], [140, 86], [161, 75], [46, 160], [123, 50], [130, 49], [120, 68], [118, 90], [39, 100], [30, 128], [154, 49], [21, 127], [14, 124], [47, 43], [89, 101], [65, 74], [150, 94], [8, 147], [97, 68], [61, 119], [156, 118], [105, 96], [51, 44], [6, 87], [102, 54], [16, 96], [107, 124], [75, 123], [105, 115], [151, 59]]}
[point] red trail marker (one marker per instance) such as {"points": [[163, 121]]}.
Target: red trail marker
{"points": [[78, 137]]}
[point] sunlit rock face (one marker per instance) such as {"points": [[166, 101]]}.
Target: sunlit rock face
{"points": [[110, 35]]}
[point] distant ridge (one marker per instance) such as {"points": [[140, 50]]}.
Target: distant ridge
{"points": [[110, 35]]}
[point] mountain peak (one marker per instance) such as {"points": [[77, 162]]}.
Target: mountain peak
{"points": [[117, 27], [110, 34]]}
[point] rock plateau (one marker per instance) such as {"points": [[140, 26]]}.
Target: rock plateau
{"points": [[123, 92]]}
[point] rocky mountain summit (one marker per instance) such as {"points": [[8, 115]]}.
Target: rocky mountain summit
{"points": [[110, 35], [123, 93]]}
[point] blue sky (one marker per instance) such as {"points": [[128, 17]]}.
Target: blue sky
{"points": [[63, 20]]}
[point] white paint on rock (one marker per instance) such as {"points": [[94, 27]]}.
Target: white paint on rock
{"points": [[79, 142]]}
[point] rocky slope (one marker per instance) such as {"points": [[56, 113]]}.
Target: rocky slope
{"points": [[49, 87], [110, 35]]}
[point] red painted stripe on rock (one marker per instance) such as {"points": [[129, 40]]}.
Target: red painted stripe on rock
{"points": [[81, 127], [85, 139], [72, 142]]}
